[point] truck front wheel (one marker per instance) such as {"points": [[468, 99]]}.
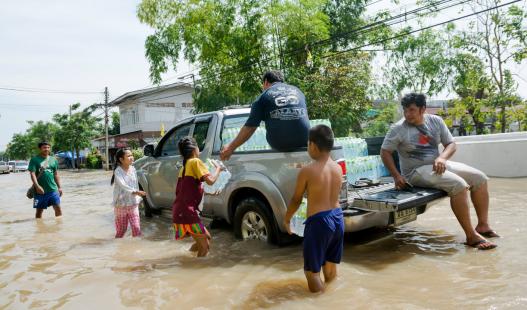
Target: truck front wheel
{"points": [[253, 220], [147, 209]]}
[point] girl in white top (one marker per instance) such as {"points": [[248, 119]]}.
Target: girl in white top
{"points": [[126, 194]]}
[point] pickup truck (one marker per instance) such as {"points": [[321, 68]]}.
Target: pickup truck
{"points": [[255, 198]]}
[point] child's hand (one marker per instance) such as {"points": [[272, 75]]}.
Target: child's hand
{"points": [[218, 165], [140, 193], [287, 225]]}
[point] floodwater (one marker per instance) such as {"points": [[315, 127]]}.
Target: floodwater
{"points": [[75, 263]]}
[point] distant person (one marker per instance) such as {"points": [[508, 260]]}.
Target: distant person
{"points": [[43, 170], [283, 109], [416, 138], [189, 192], [324, 227], [126, 194]]}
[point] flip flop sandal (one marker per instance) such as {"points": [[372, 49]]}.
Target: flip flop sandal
{"points": [[479, 245], [489, 234]]}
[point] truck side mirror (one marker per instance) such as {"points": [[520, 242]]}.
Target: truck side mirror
{"points": [[148, 150]]}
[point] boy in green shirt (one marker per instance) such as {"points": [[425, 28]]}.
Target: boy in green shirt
{"points": [[43, 171]]}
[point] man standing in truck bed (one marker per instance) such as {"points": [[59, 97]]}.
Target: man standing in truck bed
{"points": [[283, 109], [416, 138]]}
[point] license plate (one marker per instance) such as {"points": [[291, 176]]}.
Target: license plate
{"points": [[405, 216]]}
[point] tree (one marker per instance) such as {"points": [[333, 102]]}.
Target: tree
{"points": [[115, 127], [76, 131], [24, 145], [234, 42], [418, 63], [473, 86], [500, 37], [380, 124], [338, 91]]}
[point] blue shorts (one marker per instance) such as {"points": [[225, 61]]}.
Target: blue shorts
{"points": [[323, 239], [46, 200]]}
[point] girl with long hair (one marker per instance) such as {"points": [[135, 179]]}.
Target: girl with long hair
{"points": [[126, 194]]}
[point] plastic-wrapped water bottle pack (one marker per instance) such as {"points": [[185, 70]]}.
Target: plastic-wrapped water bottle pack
{"points": [[359, 164], [297, 221], [222, 180], [352, 147], [369, 167]]}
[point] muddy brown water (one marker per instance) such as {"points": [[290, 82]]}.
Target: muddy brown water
{"points": [[74, 262]]}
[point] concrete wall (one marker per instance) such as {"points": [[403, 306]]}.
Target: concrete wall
{"points": [[498, 155]]}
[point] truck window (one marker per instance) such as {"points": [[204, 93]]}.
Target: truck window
{"points": [[200, 134], [231, 126], [170, 147]]}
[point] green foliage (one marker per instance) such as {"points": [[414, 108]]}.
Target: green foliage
{"points": [[418, 63], [234, 42], [114, 128], [379, 125], [94, 160], [25, 145], [133, 144], [64, 133], [498, 36], [76, 131], [137, 153], [338, 92], [470, 113]]}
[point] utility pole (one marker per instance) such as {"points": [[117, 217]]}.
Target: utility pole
{"points": [[106, 119], [72, 150]]}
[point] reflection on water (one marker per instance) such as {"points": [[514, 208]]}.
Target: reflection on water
{"points": [[74, 262]]}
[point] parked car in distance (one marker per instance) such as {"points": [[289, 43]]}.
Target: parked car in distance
{"points": [[4, 167], [21, 165], [18, 165]]}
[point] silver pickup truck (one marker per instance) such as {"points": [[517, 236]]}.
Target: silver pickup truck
{"points": [[255, 198]]}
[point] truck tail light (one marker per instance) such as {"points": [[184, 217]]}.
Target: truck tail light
{"points": [[342, 164]]}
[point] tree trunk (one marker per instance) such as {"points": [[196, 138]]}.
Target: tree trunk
{"points": [[503, 118], [78, 160]]}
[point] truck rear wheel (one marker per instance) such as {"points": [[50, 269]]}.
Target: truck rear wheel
{"points": [[253, 221]]}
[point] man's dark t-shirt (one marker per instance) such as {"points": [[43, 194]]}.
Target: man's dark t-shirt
{"points": [[283, 109]]}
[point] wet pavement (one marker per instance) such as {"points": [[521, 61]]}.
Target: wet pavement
{"points": [[75, 263]]}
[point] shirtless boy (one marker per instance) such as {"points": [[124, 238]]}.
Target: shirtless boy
{"points": [[324, 227]]}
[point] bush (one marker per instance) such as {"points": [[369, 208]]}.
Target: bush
{"points": [[94, 161], [137, 153]]}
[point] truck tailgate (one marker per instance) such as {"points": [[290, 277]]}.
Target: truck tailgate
{"points": [[386, 198]]}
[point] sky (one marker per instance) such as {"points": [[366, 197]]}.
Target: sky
{"points": [[84, 46], [80, 46]]}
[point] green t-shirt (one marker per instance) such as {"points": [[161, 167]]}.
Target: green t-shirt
{"points": [[47, 178]]}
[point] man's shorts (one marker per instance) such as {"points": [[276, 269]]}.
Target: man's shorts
{"points": [[323, 239], [455, 179], [46, 200]]}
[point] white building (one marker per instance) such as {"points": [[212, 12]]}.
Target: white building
{"points": [[146, 110]]}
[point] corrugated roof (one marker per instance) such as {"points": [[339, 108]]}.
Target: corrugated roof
{"points": [[147, 91]]}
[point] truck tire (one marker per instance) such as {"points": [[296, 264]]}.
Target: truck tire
{"points": [[253, 220]]}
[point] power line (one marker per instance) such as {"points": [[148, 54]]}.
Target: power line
{"points": [[422, 29], [338, 36], [364, 29], [388, 39], [403, 17], [48, 91]]}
